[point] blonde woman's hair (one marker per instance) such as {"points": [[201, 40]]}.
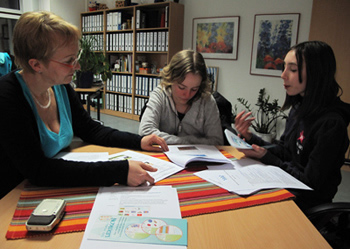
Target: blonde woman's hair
{"points": [[182, 63], [37, 35]]}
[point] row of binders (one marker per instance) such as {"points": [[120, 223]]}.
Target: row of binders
{"points": [[145, 85], [119, 42], [97, 42], [92, 23], [152, 41], [120, 83], [123, 103], [118, 102]]}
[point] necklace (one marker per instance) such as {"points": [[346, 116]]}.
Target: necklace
{"points": [[37, 101]]}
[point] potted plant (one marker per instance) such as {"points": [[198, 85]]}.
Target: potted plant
{"points": [[91, 63], [266, 115]]}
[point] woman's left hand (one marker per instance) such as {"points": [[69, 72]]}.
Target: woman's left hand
{"points": [[148, 142], [257, 152]]}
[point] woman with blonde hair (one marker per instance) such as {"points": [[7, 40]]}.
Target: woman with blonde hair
{"points": [[182, 110], [43, 112]]}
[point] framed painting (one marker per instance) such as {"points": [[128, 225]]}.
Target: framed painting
{"points": [[213, 73], [216, 37], [273, 36]]}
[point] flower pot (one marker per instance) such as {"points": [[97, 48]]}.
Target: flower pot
{"points": [[84, 79]]}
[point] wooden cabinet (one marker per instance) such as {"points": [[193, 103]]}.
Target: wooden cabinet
{"points": [[138, 41]]}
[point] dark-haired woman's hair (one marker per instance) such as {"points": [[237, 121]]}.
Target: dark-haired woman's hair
{"points": [[321, 87]]}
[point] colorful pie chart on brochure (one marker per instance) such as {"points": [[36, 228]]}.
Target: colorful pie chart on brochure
{"points": [[169, 233], [151, 226], [236, 141]]}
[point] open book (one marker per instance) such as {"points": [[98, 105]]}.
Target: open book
{"points": [[185, 155]]}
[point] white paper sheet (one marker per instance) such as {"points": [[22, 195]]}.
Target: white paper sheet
{"points": [[249, 179], [156, 201], [185, 154], [83, 156], [165, 168]]}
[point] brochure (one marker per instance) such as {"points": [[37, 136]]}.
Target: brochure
{"points": [[133, 229], [250, 179], [185, 155], [236, 141]]}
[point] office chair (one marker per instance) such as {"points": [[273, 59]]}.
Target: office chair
{"points": [[332, 220]]}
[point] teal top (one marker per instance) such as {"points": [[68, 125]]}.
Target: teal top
{"points": [[51, 142]]}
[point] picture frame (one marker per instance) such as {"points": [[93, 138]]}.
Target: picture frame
{"points": [[273, 36], [216, 37], [213, 74]]}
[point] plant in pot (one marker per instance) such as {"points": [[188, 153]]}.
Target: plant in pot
{"points": [[91, 63], [266, 115]]}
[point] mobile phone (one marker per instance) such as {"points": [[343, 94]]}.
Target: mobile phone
{"points": [[46, 215]]}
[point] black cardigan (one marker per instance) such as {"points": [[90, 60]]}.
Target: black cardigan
{"points": [[21, 155]]}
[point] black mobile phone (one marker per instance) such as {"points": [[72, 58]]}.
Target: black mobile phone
{"points": [[46, 215]]}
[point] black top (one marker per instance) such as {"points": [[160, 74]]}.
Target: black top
{"points": [[21, 155], [313, 151]]}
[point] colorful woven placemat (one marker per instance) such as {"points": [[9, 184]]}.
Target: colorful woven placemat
{"points": [[196, 196], [78, 208]]}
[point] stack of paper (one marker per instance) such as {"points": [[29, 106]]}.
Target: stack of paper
{"points": [[250, 179]]}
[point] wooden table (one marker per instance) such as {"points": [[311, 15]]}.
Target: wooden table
{"points": [[93, 92], [275, 225]]}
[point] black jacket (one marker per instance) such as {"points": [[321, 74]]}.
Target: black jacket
{"points": [[21, 155], [313, 151]]}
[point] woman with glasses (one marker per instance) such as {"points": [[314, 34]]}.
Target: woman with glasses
{"points": [[41, 113], [313, 145]]}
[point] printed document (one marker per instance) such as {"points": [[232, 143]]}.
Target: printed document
{"points": [[183, 155], [250, 179], [121, 201], [165, 168]]}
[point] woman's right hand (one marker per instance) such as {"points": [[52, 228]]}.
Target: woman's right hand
{"points": [[138, 175], [242, 124]]}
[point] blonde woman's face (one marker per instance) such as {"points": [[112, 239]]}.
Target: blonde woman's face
{"points": [[186, 90]]}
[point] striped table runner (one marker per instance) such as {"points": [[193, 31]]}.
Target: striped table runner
{"points": [[196, 196]]}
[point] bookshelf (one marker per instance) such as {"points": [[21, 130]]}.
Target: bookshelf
{"points": [[138, 40]]}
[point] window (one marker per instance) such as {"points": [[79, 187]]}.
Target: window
{"points": [[11, 6]]}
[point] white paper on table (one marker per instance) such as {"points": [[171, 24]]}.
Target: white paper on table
{"points": [[155, 201], [165, 168], [184, 154], [249, 179], [83, 156], [246, 162]]}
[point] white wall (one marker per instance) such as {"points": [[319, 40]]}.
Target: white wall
{"points": [[69, 10], [234, 76]]}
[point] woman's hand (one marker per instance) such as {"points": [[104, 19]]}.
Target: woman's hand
{"points": [[257, 152], [242, 124], [148, 142], [138, 175]]}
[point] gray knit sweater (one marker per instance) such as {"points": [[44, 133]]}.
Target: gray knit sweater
{"points": [[201, 124]]}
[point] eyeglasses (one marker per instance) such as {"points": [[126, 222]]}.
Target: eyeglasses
{"points": [[73, 63]]}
